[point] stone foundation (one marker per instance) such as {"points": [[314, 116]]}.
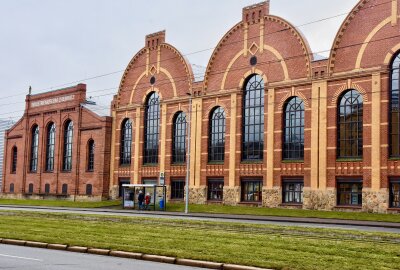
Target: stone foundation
{"points": [[198, 195], [375, 202], [272, 198], [319, 199], [231, 195], [114, 190]]}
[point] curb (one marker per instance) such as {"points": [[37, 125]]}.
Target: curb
{"points": [[130, 255]]}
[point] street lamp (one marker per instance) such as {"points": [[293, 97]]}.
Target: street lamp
{"points": [[188, 155]]}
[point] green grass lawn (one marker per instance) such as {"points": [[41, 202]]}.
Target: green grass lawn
{"points": [[218, 209], [262, 211], [256, 245], [59, 203]]}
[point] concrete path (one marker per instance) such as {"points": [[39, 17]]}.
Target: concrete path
{"points": [[284, 221]]}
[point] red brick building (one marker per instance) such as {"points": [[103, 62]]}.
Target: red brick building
{"points": [[59, 148], [269, 124]]}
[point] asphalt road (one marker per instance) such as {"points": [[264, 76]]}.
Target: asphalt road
{"points": [[184, 217], [21, 258]]}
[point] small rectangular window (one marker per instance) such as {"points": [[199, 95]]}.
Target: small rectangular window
{"points": [[251, 190], [293, 191], [395, 193], [30, 188], [47, 188], [177, 189], [349, 192], [11, 188], [64, 190], [215, 189], [89, 189]]}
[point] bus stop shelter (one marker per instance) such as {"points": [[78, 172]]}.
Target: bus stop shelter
{"points": [[158, 195]]}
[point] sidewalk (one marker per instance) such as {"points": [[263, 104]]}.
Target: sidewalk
{"points": [[289, 220]]}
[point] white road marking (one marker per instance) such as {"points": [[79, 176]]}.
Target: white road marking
{"points": [[21, 258]]}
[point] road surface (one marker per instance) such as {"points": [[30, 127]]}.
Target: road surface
{"points": [[21, 258]]}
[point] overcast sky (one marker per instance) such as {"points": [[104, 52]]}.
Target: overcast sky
{"points": [[49, 43]]}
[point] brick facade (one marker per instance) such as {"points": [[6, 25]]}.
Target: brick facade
{"points": [[360, 59], [58, 107]]}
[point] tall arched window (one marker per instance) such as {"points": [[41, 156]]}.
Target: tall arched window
{"points": [[68, 139], [293, 129], [350, 125], [14, 159], [34, 148], [126, 142], [216, 136], [395, 108], [151, 129], [51, 138], [179, 138], [90, 155], [253, 119]]}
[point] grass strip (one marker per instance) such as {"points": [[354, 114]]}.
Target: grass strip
{"points": [[277, 247], [59, 203], [263, 211]]}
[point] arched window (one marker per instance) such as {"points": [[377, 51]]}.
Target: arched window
{"points": [[151, 129], [395, 108], [64, 189], [89, 189], [51, 138], [90, 157], [216, 136], [253, 119], [30, 188], [14, 159], [34, 148], [350, 125], [47, 188], [68, 138], [293, 130], [126, 142], [179, 138]]}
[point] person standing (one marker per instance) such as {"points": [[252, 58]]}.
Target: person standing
{"points": [[141, 199], [147, 200]]}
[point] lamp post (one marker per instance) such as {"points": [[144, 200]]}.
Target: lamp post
{"points": [[188, 156]]}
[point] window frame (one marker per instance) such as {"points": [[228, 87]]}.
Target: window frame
{"points": [[178, 193], [151, 122], [349, 181], [126, 143], [216, 135], [394, 153], [348, 141], [216, 190], [34, 156], [246, 181], [47, 191], [90, 155], [50, 146], [392, 182], [68, 146], [89, 190], [295, 193], [179, 138], [64, 189], [31, 188], [12, 188], [253, 86], [292, 149], [14, 159]]}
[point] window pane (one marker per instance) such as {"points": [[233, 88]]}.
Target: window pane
{"points": [[349, 193], [350, 125], [50, 147], [293, 144], [68, 140], [253, 119], [216, 139], [251, 190], [293, 191], [394, 127], [179, 139], [151, 129], [126, 142], [215, 189], [34, 149]]}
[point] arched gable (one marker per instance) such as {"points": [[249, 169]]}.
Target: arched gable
{"points": [[157, 65]]}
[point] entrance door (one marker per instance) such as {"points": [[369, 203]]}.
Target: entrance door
{"points": [[122, 181]]}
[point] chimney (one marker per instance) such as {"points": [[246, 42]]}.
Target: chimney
{"points": [[255, 13]]}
